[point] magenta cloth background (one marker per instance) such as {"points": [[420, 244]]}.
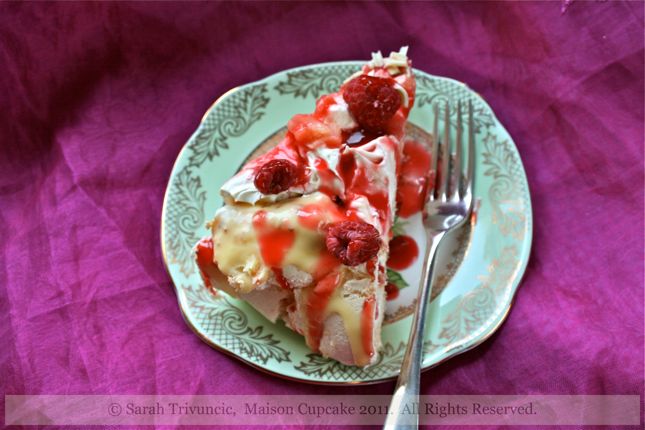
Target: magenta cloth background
{"points": [[96, 100]]}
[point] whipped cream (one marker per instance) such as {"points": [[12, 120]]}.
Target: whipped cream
{"points": [[339, 114]]}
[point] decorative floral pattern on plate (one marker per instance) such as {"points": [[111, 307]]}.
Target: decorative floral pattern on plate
{"points": [[435, 90], [313, 82], [183, 217], [231, 118]]}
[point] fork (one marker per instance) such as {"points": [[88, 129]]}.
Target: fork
{"points": [[449, 204]]}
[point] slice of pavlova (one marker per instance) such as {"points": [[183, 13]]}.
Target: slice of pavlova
{"points": [[303, 235]]}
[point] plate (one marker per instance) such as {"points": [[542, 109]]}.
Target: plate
{"points": [[478, 273]]}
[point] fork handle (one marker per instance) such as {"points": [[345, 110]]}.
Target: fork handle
{"points": [[403, 411]]}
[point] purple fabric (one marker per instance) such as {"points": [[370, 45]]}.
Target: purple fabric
{"points": [[97, 99]]}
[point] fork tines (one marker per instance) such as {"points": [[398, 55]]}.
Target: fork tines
{"points": [[448, 180]]}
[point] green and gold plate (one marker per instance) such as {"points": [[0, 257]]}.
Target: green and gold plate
{"points": [[478, 272]]}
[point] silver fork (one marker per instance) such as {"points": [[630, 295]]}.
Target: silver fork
{"points": [[449, 204]]}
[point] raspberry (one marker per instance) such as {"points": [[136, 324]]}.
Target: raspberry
{"points": [[372, 101], [275, 176], [353, 242]]}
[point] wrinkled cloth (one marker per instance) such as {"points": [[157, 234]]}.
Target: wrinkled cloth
{"points": [[97, 99]]}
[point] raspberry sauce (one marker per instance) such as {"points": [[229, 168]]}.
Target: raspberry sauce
{"points": [[391, 292], [413, 180], [280, 279], [403, 252], [205, 259], [313, 216], [317, 301], [358, 184], [327, 177], [367, 325], [274, 242], [326, 264]]}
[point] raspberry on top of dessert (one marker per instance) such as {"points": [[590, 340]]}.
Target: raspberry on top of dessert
{"points": [[304, 231]]}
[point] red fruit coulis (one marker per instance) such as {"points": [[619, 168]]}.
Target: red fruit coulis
{"points": [[317, 302], [279, 277], [413, 179], [370, 266], [403, 252], [327, 177], [391, 292], [326, 263], [358, 184], [205, 260], [368, 315], [274, 242], [310, 216]]}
